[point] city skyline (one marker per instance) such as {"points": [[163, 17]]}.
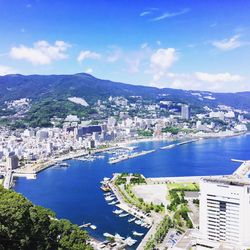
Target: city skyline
{"points": [[178, 44]]}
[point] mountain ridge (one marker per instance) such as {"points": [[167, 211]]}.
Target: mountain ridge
{"points": [[37, 87]]}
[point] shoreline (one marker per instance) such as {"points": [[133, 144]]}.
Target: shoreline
{"points": [[39, 167], [186, 137], [117, 145]]}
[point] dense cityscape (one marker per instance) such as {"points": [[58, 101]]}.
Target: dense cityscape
{"points": [[124, 125]]}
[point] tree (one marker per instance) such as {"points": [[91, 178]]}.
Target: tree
{"points": [[25, 226]]}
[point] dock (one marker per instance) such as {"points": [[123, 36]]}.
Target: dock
{"points": [[243, 170], [135, 212], [9, 177], [150, 233], [131, 156], [180, 143]]}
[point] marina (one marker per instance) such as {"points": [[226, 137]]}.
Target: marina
{"points": [[62, 190]]}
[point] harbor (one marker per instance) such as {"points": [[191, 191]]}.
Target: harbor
{"points": [[74, 192]]}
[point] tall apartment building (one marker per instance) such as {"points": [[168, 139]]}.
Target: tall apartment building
{"points": [[225, 211], [185, 112], [11, 161]]}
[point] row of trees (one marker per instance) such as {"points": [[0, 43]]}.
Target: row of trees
{"points": [[25, 226], [160, 233], [179, 206]]}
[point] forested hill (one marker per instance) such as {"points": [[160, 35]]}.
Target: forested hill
{"points": [[25, 226], [40, 87]]}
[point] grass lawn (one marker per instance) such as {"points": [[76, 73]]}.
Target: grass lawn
{"points": [[184, 186]]}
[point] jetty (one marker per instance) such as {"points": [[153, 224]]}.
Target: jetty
{"points": [[9, 177], [180, 143], [128, 208], [129, 156], [243, 170]]}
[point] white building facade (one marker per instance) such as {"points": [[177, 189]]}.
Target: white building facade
{"points": [[225, 211]]}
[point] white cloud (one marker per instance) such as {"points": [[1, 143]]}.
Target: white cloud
{"points": [[222, 82], [212, 25], [228, 44], [158, 43], [6, 70], [161, 61], [220, 77], [114, 55], [87, 54], [170, 14], [144, 13], [144, 45], [134, 65], [41, 53], [163, 58], [89, 71]]}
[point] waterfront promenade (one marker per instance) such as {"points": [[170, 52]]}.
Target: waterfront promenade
{"points": [[127, 207], [243, 170], [240, 173]]}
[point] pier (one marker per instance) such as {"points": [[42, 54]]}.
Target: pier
{"points": [[131, 156], [129, 208], [9, 176], [151, 232], [243, 170], [180, 143]]}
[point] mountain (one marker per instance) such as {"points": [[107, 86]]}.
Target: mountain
{"points": [[46, 89]]}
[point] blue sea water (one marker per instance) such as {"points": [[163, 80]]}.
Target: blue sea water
{"points": [[74, 193]]}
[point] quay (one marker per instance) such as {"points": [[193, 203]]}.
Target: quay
{"points": [[150, 233], [9, 176], [128, 208], [180, 143], [243, 170], [164, 180], [134, 155]]}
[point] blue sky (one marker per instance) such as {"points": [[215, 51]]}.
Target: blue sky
{"points": [[185, 44]]}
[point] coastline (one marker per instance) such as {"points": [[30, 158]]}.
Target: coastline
{"points": [[185, 137], [166, 140], [40, 166]]}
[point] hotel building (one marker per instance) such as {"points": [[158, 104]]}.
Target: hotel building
{"points": [[225, 211]]}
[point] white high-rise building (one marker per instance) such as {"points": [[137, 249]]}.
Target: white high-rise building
{"points": [[11, 161], [185, 112], [225, 211]]}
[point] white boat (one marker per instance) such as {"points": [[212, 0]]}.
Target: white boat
{"points": [[138, 222], [118, 211], [107, 194], [118, 237], [132, 219], [100, 157], [85, 225], [137, 234], [130, 242], [109, 198], [123, 215], [108, 235], [112, 203], [93, 227], [62, 164]]}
